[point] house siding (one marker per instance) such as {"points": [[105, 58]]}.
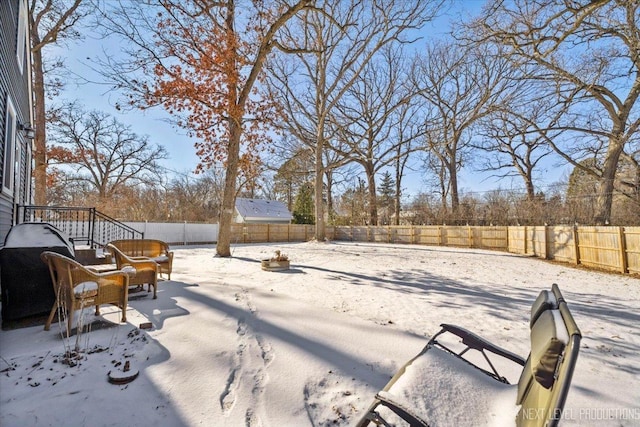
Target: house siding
{"points": [[14, 84]]}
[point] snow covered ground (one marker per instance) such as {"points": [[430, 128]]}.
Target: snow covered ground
{"points": [[232, 345]]}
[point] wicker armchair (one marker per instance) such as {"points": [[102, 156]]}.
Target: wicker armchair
{"points": [[77, 287], [146, 269], [155, 249]]}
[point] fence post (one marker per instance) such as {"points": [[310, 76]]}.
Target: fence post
{"points": [[524, 239], [549, 243], [92, 226], [576, 244], [508, 243], [184, 233], [470, 236], [624, 265]]}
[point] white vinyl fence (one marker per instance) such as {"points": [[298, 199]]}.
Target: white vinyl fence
{"points": [[178, 233]]}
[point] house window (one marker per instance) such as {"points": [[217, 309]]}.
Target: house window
{"points": [[9, 149], [21, 46]]}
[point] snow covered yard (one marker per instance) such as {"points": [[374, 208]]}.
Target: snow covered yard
{"points": [[232, 345]]}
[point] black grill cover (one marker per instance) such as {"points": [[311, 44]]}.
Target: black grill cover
{"points": [[25, 280]]}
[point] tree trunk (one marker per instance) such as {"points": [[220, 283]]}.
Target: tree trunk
{"points": [[453, 187], [40, 141], [329, 175], [373, 205], [319, 208], [528, 182], [223, 247], [398, 196], [604, 200]]}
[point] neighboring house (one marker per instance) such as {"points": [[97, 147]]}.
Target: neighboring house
{"points": [[253, 211], [16, 111]]}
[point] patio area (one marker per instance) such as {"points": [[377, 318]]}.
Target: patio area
{"points": [[233, 345]]}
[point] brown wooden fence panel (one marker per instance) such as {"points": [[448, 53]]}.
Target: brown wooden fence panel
{"points": [[428, 235], [379, 234], [607, 247], [238, 234], [304, 232], [343, 233], [632, 248], [492, 238], [599, 247], [278, 232], [401, 234], [537, 238], [517, 240], [456, 236], [266, 233], [529, 240], [257, 233], [360, 234], [561, 246]]}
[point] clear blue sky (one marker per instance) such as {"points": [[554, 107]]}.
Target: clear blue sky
{"points": [[181, 151]]}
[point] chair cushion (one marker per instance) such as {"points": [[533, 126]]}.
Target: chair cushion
{"points": [[161, 259], [129, 270], [85, 289], [546, 301], [549, 336], [443, 389]]}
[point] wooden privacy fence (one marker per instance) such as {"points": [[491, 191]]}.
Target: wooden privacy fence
{"points": [[265, 233], [605, 247]]}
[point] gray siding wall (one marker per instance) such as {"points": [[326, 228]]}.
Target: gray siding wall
{"points": [[14, 84]]}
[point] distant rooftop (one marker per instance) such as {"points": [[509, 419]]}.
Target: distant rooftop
{"points": [[258, 210]]}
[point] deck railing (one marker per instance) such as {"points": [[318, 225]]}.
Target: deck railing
{"points": [[86, 226]]}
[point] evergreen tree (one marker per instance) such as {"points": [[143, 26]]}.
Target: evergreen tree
{"points": [[386, 198], [303, 208]]}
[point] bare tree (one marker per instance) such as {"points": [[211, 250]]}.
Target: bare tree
{"points": [[437, 176], [629, 174], [352, 204], [371, 119], [407, 125], [102, 153], [514, 147], [196, 198], [590, 55], [203, 62], [293, 173], [342, 40], [460, 86], [51, 22]]}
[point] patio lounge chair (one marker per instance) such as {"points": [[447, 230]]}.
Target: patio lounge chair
{"points": [[146, 269], [77, 287], [442, 386]]}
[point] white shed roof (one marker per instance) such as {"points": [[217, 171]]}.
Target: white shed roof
{"points": [[262, 210]]}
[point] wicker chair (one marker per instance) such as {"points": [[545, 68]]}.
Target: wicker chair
{"points": [[146, 269], [77, 287], [155, 249]]}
